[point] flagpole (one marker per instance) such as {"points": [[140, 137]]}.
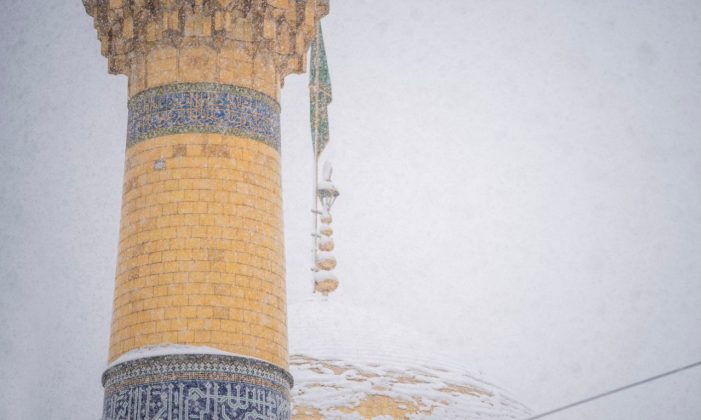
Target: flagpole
{"points": [[315, 212]]}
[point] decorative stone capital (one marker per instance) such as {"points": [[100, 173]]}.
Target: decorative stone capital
{"points": [[220, 41]]}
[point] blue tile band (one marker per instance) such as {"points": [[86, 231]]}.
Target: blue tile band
{"points": [[203, 108], [184, 387]]}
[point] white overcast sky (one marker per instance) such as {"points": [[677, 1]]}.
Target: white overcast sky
{"points": [[521, 181]]}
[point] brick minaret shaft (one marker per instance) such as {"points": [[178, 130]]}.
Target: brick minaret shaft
{"points": [[201, 250]]}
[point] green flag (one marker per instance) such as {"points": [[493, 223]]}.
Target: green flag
{"points": [[319, 93]]}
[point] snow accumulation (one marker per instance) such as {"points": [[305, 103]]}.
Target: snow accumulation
{"points": [[325, 275], [326, 185], [325, 255], [345, 358], [168, 350], [351, 363]]}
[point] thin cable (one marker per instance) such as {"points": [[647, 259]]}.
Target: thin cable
{"points": [[613, 391]]}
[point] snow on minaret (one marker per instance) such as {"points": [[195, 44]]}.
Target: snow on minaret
{"points": [[325, 280]]}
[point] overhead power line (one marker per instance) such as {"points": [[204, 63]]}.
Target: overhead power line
{"points": [[613, 391]]}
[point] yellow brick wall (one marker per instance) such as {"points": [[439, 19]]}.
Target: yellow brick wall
{"points": [[201, 252], [238, 65]]}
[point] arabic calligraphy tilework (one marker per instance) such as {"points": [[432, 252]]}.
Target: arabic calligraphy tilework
{"points": [[203, 108], [203, 387]]}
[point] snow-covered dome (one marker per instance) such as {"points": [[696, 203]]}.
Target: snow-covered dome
{"points": [[351, 363]]}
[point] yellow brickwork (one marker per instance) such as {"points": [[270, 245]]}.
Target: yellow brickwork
{"points": [[201, 253], [238, 65]]}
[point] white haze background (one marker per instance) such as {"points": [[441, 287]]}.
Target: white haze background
{"points": [[521, 181]]}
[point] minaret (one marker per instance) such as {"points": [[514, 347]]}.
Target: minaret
{"points": [[199, 319]]}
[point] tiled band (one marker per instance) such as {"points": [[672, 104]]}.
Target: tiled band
{"points": [[203, 108], [184, 387]]}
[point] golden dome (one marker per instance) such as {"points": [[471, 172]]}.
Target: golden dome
{"points": [[351, 363]]}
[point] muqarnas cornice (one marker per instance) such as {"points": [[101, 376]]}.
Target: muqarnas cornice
{"points": [[283, 29]]}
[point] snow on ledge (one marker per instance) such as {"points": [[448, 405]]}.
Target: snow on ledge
{"points": [[325, 275], [169, 350]]}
